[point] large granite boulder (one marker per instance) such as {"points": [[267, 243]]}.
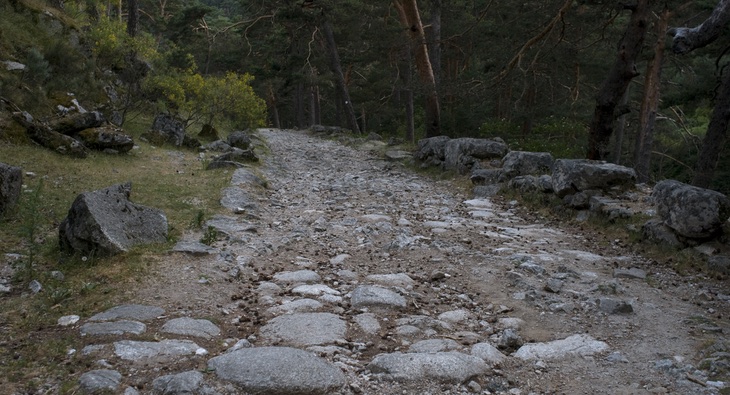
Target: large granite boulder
{"points": [[463, 153], [11, 180], [166, 129], [575, 175], [105, 222], [239, 139], [77, 122], [431, 151], [109, 139], [523, 163], [690, 211]]}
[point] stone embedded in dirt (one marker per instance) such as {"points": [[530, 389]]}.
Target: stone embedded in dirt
{"points": [[488, 353], [375, 218], [509, 340], [131, 312], [434, 346], [67, 320], [368, 323], [245, 177], [574, 175], [398, 155], [237, 199], [656, 231], [510, 323], [392, 280], [485, 176], [187, 326], [432, 151], [229, 226], [554, 285], [11, 181], [278, 370], [456, 316], [296, 306], [444, 367], [99, 381], [305, 329], [194, 248], [299, 276], [462, 153], [690, 211], [105, 222], [339, 259], [630, 273], [314, 290], [485, 191], [113, 328], [575, 345], [374, 296], [614, 306], [233, 158], [532, 267], [165, 350], [182, 383]]}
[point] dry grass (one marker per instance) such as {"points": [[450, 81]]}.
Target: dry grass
{"points": [[33, 347]]}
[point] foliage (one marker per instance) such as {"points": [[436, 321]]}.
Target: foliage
{"points": [[562, 137], [111, 43], [194, 98]]}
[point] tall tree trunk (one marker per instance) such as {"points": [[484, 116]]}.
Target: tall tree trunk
{"points": [[686, 40], [434, 38], [411, 19], [315, 107], [410, 124], [273, 111], [619, 77], [336, 67], [621, 129], [299, 101], [132, 17], [650, 104], [716, 136]]}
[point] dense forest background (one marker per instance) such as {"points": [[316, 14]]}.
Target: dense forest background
{"points": [[528, 72]]}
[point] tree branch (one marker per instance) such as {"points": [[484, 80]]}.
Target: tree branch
{"points": [[687, 39]]}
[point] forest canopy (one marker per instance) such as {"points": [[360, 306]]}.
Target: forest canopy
{"points": [[532, 72]]}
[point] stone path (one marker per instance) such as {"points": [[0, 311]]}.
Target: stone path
{"points": [[337, 272]]}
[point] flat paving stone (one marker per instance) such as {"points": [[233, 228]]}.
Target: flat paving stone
{"points": [[131, 350], [180, 383], [299, 276], [98, 381], [487, 352], [113, 328], [575, 345], [445, 367], [296, 306], [129, 312], [278, 370], [434, 345], [374, 296], [187, 326], [305, 329]]}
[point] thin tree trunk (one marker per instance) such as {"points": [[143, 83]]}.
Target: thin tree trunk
{"points": [[316, 106], [132, 17], [410, 125], [435, 42], [621, 129], [411, 19], [650, 104], [299, 101], [273, 111], [619, 77], [336, 67], [716, 136]]}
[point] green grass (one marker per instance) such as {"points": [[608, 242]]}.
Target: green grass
{"points": [[162, 177]]}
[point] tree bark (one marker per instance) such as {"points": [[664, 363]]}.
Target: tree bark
{"points": [[687, 39], [434, 38], [273, 110], [650, 104], [716, 136], [336, 67], [619, 77], [132, 17], [411, 19]]}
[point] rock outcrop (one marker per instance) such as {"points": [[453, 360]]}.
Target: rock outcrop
{"points": [[576, 175], [105, 222], [691, 212]]}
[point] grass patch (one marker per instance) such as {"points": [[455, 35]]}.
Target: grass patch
{"points": [[162, 177]]}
